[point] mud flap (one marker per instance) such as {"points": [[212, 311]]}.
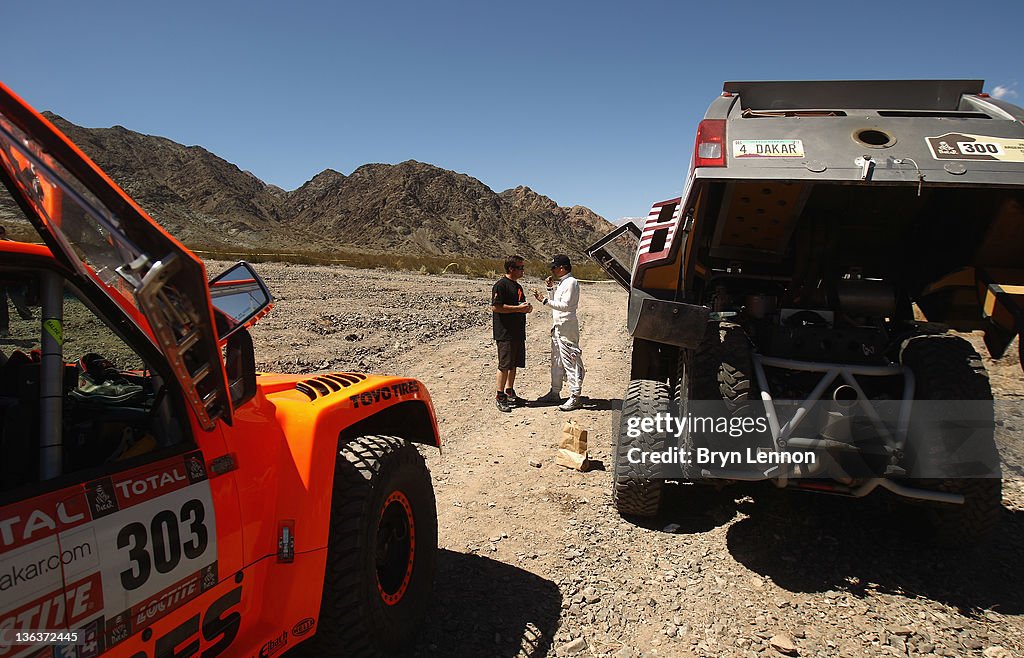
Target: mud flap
{"points": [[671, 323]]}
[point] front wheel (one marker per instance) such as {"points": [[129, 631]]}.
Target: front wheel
{"points": [[381, 550]]}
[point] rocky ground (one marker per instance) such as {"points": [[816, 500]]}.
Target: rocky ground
{"points": [[534, 560]]}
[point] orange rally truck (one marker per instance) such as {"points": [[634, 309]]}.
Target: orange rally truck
{"points": [[159, 498]]}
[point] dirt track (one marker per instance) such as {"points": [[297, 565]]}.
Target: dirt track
{"points": [[535, 561]]}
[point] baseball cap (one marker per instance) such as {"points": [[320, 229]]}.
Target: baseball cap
{"points": [[560, 260]]}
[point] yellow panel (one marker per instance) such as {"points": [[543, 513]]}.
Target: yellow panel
{"points": [[1002, 244], [760, 216], [967, 296], [990, 303], [664, 277]]}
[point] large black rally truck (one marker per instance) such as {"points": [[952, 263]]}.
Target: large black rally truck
{"points": [[792, 311]]}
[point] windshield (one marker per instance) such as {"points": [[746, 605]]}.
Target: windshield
{"points": [[80, 221]]}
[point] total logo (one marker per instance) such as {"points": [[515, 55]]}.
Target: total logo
{"points": [[142, 486], [17, 529], [275, 645]]}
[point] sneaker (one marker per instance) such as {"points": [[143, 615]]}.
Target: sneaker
{"points": [[502, 404], [550, 398], [99, 380], [109, 392], [574, 402], [98, 367], [513, 399]]}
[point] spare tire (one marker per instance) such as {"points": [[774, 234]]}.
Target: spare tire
{"points": [[736, 381]]}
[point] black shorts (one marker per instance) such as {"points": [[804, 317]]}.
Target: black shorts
{"points": [[511, 354]]}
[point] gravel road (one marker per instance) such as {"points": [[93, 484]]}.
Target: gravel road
{"points": [[534, 560]]}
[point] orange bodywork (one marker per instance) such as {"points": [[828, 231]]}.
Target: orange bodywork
{"points": [[281, 449], [248, 503]]}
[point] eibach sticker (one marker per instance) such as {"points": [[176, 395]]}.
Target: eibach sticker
{"points": [[109, 557], [960, 146]]}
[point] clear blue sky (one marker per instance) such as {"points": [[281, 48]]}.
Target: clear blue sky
{"points": [[591, 103]]}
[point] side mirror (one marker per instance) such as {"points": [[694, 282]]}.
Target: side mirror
{"points": [[241, 367], [241, 296]]}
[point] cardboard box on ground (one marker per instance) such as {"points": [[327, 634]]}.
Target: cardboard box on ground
{"points": [[572, 453]]}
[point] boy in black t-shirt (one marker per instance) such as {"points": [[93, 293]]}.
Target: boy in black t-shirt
{"points": [[509, 308]]}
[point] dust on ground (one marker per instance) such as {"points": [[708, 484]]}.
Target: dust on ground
{"points": [[534, 559]]}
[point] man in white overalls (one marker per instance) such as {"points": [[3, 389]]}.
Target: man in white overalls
{"points": [[566, 357]]}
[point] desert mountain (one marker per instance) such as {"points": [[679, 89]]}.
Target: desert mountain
{"points": [[410, 207], [417, 207], [197, 196]]}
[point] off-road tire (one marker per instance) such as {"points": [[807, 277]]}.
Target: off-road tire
{"points": [[696, 379], [728, 378], [702, 366], [948, 368], [376, 593], [736, 382], [636, 491]]}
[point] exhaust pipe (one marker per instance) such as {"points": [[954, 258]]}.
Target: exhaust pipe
{"points": [[845, 396]]}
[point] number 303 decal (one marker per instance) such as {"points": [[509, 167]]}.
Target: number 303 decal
{"points": [[167, 531]]}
